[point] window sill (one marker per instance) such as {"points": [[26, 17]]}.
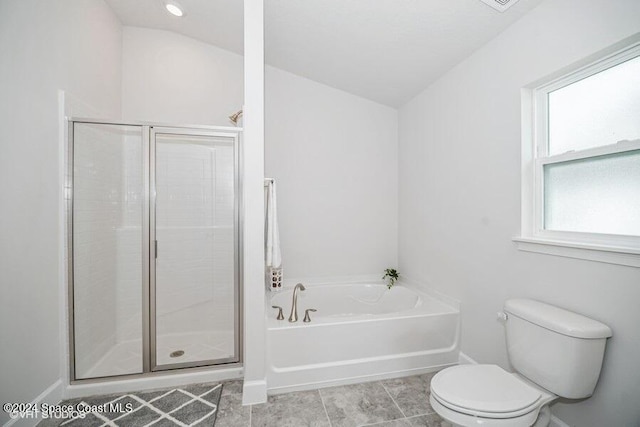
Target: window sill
{"points": [[592, 252]]}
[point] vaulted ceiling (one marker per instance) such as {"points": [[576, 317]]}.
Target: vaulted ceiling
{"points": [[383, 50]]}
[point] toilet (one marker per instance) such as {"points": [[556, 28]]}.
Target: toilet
{"points": [[554, 352]]}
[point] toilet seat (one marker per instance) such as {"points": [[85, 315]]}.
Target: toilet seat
{"points": [[466, 420], [485, 392]]}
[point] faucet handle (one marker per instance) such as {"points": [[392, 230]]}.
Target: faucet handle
{"points": [[280, 315], [306, 314]]}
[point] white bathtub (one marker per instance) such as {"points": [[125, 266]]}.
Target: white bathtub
{"points": [[360, 331]]}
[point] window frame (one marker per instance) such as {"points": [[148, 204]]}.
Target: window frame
{"points": [[616, 249]]}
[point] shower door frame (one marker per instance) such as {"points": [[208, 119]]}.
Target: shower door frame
{"points": [[149, 367], [176, 131]]}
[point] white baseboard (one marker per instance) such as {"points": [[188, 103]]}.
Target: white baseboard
{"points": [[557, 422], [52, 395], [463, 359], [254, 392]]}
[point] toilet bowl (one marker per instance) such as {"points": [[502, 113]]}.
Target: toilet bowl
{"points": [[487, 395], [554, 352]]}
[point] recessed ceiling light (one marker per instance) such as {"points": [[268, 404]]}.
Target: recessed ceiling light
{"points": [[174, 9]]}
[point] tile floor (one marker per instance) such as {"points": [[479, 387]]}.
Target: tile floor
{"points": [[401, 402]]}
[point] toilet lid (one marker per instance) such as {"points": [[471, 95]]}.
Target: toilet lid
{"points": [[483, 389]]}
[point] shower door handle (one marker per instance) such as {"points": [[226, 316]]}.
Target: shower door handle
{"points": [[155, 250]]}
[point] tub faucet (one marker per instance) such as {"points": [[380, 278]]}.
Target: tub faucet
{"points": [[293, 317]]}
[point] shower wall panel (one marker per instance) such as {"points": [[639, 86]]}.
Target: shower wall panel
{"points": [[107, 261], [129, 310]]}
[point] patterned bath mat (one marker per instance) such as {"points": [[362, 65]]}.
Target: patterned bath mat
{"points": [[194, 405]]}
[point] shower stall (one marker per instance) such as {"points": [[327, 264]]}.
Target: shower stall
{"points": [[153, 244]]}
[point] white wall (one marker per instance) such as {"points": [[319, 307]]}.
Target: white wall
{"points": [[333, 154], [460, 199], [167, 77], [334, 158], [72, 45]]}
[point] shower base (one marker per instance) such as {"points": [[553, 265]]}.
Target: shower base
{"points": [[126, 357]]}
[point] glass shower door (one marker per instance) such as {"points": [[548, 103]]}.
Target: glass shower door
{"points": [[194, 301], [109, 249]]}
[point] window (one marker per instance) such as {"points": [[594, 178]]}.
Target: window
{"points": [[581, 160]]}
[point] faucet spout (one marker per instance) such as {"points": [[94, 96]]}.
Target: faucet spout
{"points": [[293, 317]]}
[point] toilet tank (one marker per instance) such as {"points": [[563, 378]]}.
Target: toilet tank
{"points": [[555, 348]]}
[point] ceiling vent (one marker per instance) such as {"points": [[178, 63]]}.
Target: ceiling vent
{"points": [[500, 5]]}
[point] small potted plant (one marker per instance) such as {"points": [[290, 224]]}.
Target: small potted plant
{"points": [[390, 275]]}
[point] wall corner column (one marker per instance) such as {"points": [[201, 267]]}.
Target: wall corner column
{"points": [[255, 385]]}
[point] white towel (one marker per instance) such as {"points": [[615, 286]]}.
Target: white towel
{"points": [[272, 250]]}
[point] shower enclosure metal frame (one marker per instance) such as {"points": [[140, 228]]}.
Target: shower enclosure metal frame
{"points": [[148, 131]]}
